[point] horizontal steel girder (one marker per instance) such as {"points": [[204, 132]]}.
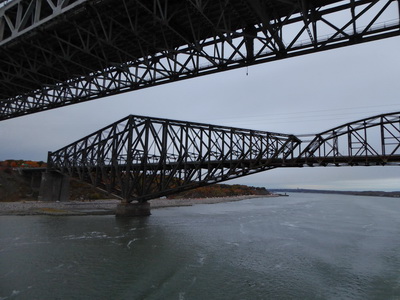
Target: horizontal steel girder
{"points": [[140, 158], [57, 53]]}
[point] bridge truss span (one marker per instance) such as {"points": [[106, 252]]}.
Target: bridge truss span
{"points": [[57, 53], [140, 158], [372, 141]]}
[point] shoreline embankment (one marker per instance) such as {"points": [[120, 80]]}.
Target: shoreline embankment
{"points": [[101, 207]]}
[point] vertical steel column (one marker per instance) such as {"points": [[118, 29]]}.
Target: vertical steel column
{"points": [[163, 154], [383, 141], [349, 138], [129, 159], [145, 156]]}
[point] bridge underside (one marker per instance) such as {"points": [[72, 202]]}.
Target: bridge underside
{"points": [[141, 158], [57, 53]]}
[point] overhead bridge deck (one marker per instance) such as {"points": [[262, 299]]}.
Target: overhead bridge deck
{"points": [[61, 52]]}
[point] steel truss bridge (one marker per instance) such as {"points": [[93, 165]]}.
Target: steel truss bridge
{"points": [[140, 158], [60, 52]]}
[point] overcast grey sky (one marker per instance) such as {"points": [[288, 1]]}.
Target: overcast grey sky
{"points": [[306, 94]]}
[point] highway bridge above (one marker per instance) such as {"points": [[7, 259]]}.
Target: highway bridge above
{"points": [[61, 52]]}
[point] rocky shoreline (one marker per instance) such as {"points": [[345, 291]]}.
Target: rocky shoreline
{"points": [[100, 207]]}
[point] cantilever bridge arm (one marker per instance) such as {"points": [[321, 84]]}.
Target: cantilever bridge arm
{"points": [[139, 158]]}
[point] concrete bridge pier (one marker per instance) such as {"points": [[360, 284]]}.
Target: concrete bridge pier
{"points": [[54, 187], [138, 209]]}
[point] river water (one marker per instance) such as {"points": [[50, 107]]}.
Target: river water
{"points": [[305, 246]]}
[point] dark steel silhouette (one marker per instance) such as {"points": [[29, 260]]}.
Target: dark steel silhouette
{"points": [[140, 158], [57, 53], [367, 142]]}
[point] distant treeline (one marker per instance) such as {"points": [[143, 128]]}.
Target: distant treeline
{"points": [[11, 163], [355, 193], [222, 190]]}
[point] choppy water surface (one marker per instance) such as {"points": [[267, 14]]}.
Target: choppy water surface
{"points": [[305, 246]]}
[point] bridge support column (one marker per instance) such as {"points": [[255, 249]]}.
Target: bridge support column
{"points": [[54, 187], [126, 209]]}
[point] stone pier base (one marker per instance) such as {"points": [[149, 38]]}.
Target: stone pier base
{"points": [[54, 187], [133, 209]]}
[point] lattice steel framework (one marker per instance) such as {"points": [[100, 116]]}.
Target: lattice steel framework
{"points": [[140, 158], [60, 52], [367, 142]]}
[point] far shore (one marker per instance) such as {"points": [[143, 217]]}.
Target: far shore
{"points": [[102, 207]]}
